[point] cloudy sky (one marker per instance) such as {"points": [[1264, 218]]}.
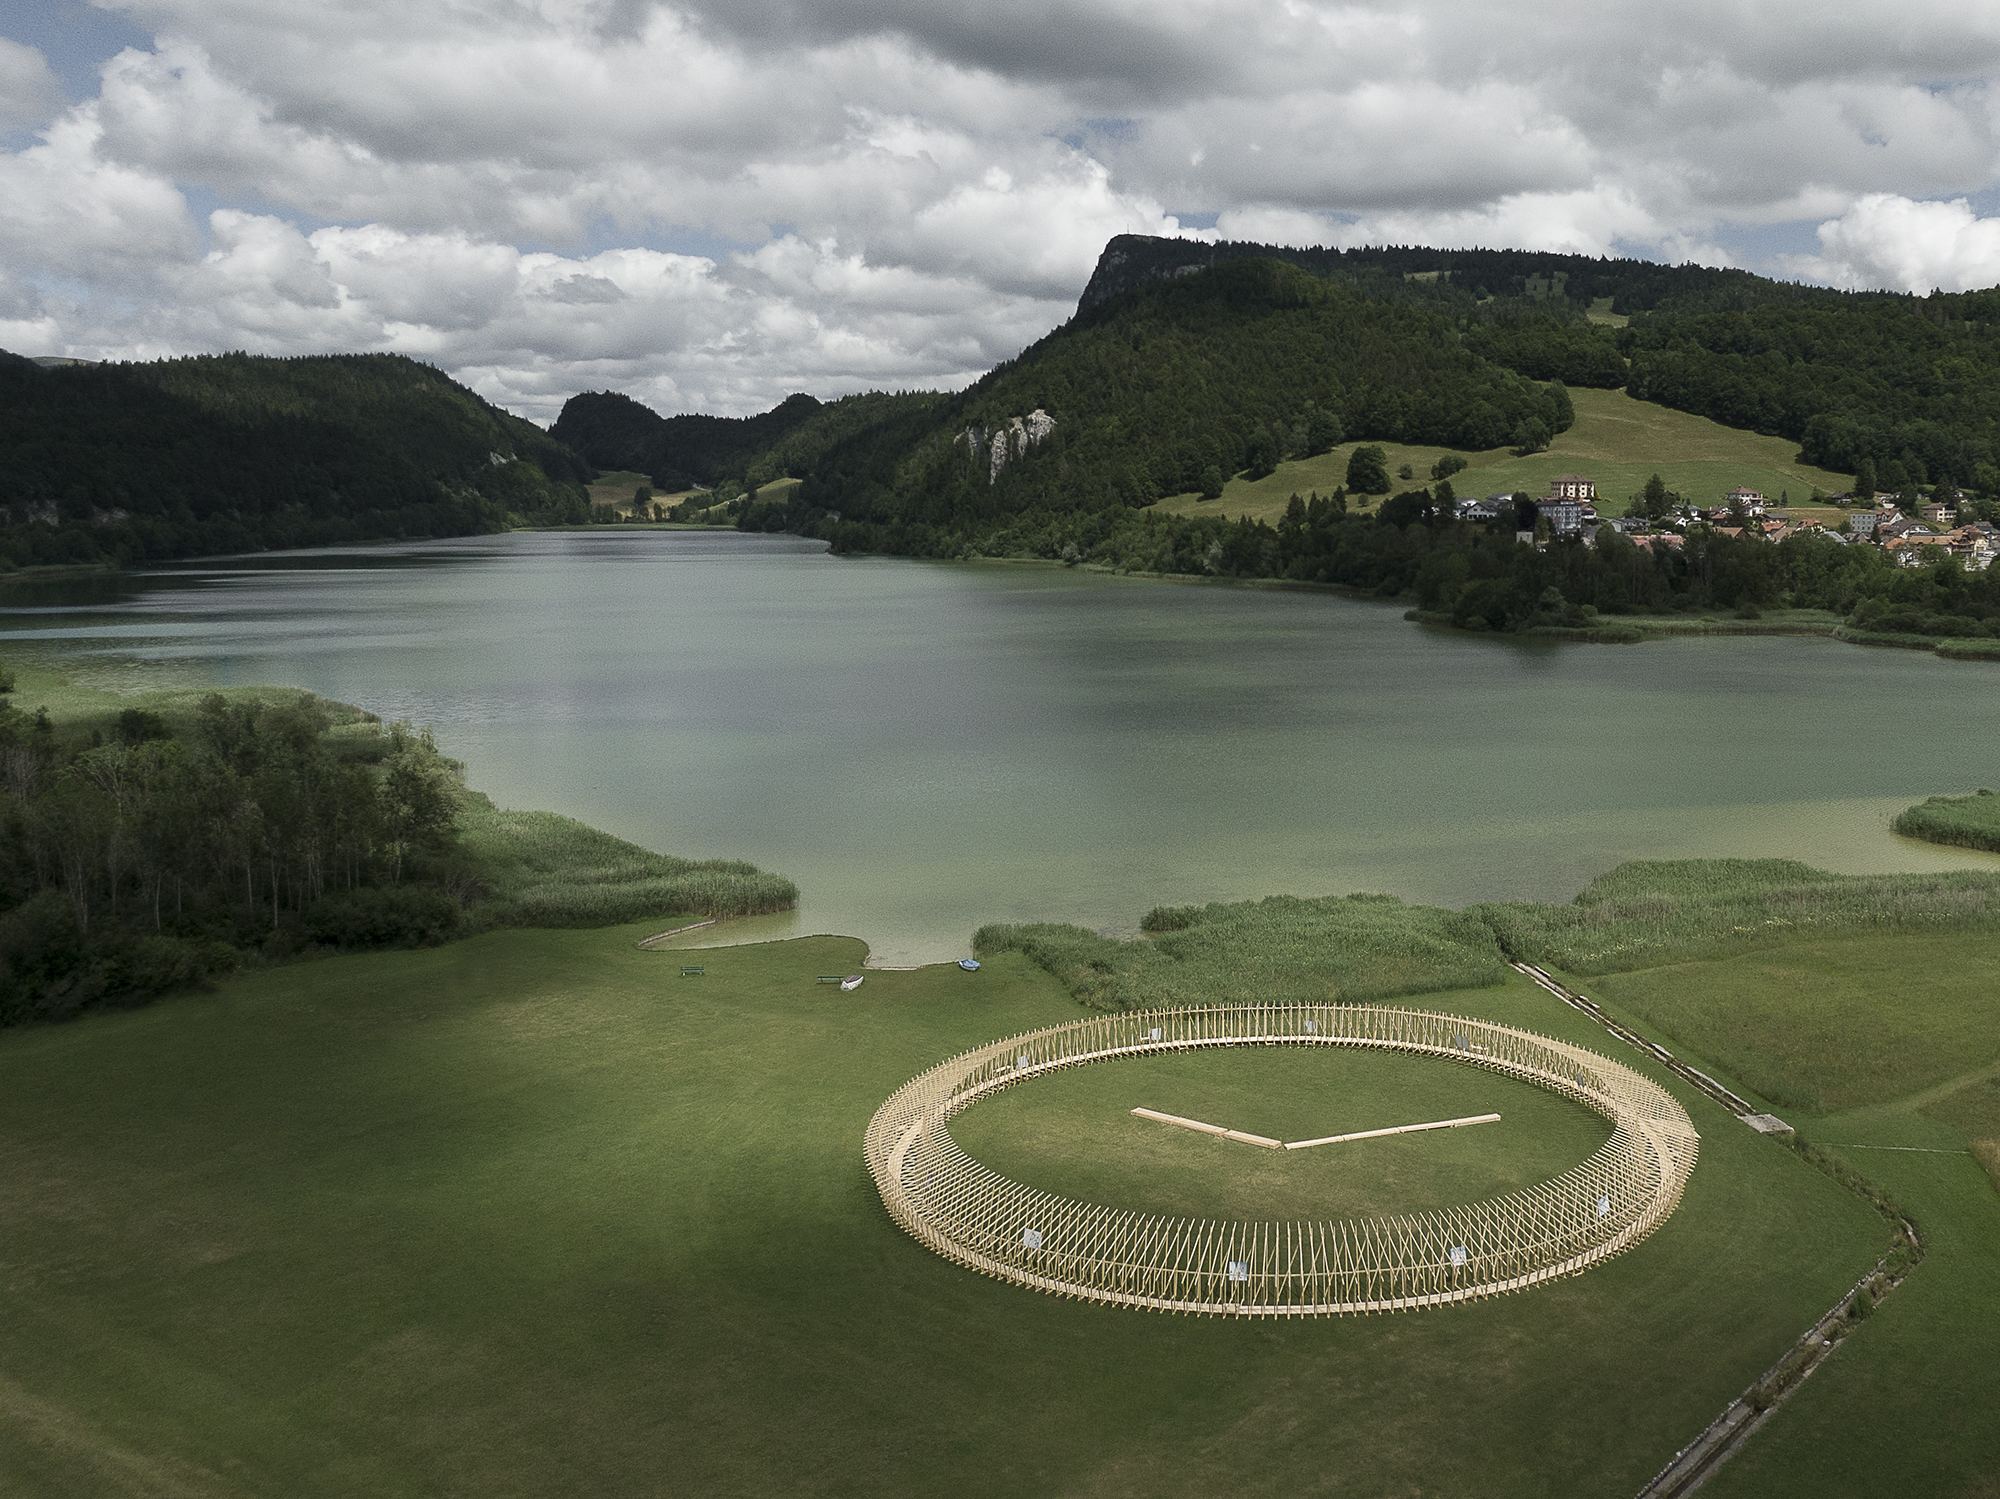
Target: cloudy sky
{"points": [[711, 203]]}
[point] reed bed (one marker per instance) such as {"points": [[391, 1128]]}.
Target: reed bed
{"points": [[1960, 821], [544, 869], [1283, 949], [1647, 913]]}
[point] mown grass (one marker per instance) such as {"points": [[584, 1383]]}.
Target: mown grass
{"points": [[1974, 1111], [1960, 821], [1074, 1133], [1885, 1052], [1280, 948], [1906, 1404], [1648, 913], [532, 1215], [1830, 1024], [543, 869], [1617, 442]]}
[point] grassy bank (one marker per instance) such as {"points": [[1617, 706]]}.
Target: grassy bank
{"points": [[1959, 821], [544, 869], [531, 1214]]}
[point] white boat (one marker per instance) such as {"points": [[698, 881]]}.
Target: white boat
{"points": [[852, 981], [970, 965]]}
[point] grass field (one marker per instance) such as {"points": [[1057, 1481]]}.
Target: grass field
{"points": [[1825, 1026], [1617, 442], [1890, 1046], [1074, 1134], [531, 1214]]}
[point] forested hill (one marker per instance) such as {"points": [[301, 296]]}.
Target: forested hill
{"points": [[1187, 361], [130, 463], [680, 451], [1896, 379], [1166, 389], [1189, 364], [1465, 277]]}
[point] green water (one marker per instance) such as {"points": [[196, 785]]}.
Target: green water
{"points": [[926, 747]]}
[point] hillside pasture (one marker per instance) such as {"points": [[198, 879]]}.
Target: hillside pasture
{"points": [[1617, 442]]}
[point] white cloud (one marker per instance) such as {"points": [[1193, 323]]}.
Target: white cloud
{"points": [[73, 214], [902, 192], [29, 93], [1890, 241]]}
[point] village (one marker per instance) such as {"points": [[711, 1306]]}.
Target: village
{"points": [[1912, 530]]}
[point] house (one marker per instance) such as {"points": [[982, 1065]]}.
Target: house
{"points": [[1749, 499], [1863, 522], [1908, 550], [1894, 524], [1573, 487], [1972, 546], [1943, 516], [1563, 513]]}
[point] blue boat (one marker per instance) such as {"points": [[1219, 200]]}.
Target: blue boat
{"points": [[970, 965]]}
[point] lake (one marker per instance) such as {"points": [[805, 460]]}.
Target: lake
{"points": [[926, 747]]}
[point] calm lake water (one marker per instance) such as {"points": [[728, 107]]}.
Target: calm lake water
{"points": [[926, 747]]}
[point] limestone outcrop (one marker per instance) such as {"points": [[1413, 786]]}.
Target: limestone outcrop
{"points": [[1004, 444]]}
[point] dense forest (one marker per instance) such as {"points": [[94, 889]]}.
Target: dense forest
{"points": [[142, 851], [130, 463], [1910, 383]]}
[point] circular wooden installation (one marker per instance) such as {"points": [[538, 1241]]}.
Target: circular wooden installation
{"points": [[980, 1219]]}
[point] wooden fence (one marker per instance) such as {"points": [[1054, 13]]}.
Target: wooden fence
{"points": [[1003, 1228]]}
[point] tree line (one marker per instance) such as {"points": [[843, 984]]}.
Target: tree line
{"points": [[139, 861], [1908, 385], [132, 463]]}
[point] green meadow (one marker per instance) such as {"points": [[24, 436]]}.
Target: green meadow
{"points": [[533, 1214], [1885, 1052], [1617, 442]]}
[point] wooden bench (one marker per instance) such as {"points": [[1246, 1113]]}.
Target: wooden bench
{"points": [[693, 971]]}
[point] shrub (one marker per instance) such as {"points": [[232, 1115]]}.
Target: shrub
{"points": [[394, 916]]}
